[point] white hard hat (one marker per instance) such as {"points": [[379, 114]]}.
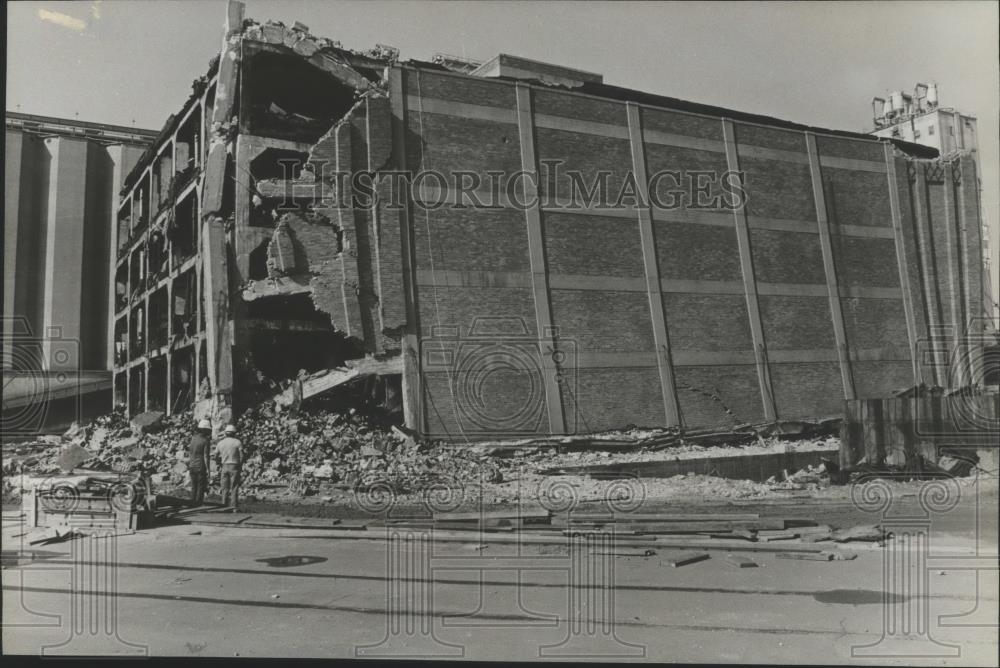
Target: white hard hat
{"points": [[205, 424], [230, 429]]}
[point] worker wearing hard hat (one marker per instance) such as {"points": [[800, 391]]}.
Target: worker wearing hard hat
{"points": [[198, 461], [230, 452]]}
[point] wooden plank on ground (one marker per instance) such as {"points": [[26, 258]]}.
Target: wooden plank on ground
{"points": [[492, 514], [806, 556], [677, 559], [664, 517], [626, 552], [740, 562]]}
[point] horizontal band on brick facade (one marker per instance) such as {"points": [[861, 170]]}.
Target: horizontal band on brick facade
{"points": [[431, 197], [595, 359], [510, 279], [550, 122]]}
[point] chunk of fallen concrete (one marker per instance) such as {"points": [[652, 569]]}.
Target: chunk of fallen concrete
{"points": [[147, 422], [72, 456], [865, 532]]}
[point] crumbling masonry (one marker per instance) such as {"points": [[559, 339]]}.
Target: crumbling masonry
{"points": [[237, 269]]}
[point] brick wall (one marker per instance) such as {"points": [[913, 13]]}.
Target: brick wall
{"points": [[826, 310]]}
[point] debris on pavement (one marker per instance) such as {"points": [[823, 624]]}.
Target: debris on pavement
{"points": [[740, 562], [678, 559]]}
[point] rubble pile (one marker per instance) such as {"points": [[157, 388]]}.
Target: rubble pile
{"points": [[305, 452], [310, 449]]}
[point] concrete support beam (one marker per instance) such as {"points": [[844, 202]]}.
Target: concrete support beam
{"points": [[14, 145], [928, 273], [958, 370], [661, 340], [536, 256], [412, 385], [64, 251], [904, 274], [749, 280], [972, 267], [829, 266], [215, 284]]}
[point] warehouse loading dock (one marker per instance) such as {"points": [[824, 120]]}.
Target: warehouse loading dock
{"points": [[851, 270]]}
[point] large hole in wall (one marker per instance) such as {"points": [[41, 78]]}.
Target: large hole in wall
{"points": [[182, 379], [121, 389], [157, 384], [291, 99], [183, 230], [159, 259], [137, 331], [136, 273], [186, 152], [121, 341], [137, 389], [121, 287], [158, 321], [183, 308], [274, 164], [281, 354]]}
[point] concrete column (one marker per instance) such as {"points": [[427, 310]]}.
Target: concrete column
{"points": [[64, 250], [904, 274], [536, 258], [829, 267], [749, 280], [653, 289], [12, 198]]}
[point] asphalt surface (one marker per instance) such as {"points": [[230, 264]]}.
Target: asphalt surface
{"points": [[189, 590]]}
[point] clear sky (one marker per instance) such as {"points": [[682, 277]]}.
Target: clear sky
{"points": [[132, 61]]}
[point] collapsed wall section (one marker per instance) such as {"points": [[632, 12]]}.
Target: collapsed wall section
{"points": [[573, 314]]}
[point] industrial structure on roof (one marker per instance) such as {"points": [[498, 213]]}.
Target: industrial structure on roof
{"points": [[651, 296]]}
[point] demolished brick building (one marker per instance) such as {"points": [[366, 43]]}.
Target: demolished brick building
{"points": [[528, 314]]}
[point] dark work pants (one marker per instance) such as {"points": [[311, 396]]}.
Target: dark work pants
{"points": [[199, 485]]}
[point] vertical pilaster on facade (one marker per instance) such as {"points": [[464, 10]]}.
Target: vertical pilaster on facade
{"points": [[14, 145], [216, 291], [749, 280], [829, 267], [536, 260], [651, 269], [957, 371], [414, 414], [116, 153], [972, 266], [904, 274], [928, 274], [242, 242]]}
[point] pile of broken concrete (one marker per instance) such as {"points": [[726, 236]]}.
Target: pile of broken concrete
{"points": [[302, 452]]}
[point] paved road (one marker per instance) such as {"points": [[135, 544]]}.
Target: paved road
{"points": [[214, 591]]}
